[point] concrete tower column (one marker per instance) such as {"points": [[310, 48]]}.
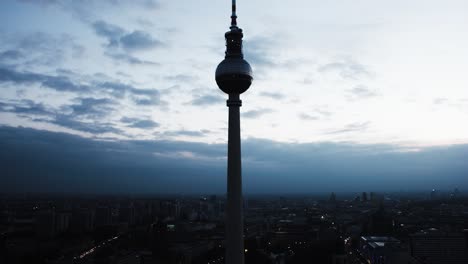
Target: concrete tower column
{"points": [[234, 215]]}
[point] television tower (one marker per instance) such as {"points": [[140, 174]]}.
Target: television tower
{"points": [[234, 76]]}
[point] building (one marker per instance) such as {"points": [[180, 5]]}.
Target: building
{"points": [[383, 250], [81, 220], [62, 221], [103, 216], [45, 223], [433, 246]]}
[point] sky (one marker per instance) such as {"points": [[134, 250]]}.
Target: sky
{"points": [[134, 80]]}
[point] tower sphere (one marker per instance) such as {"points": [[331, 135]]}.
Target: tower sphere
{"points": [[234, 75]]}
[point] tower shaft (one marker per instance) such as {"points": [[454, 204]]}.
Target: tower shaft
{"points": [[234, 76], [234, 216]]}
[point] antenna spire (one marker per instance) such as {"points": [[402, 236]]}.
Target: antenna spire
{"points": [[233, 16]]}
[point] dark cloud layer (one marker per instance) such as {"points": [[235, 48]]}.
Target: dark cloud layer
{"points": [[41, 161]]}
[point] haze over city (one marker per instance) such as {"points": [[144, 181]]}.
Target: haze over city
{"points": [[119, 96]]}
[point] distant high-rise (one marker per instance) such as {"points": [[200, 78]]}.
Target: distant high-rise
{"points": [[364, 196], [45, 223], [234, 76], [102, 216]]}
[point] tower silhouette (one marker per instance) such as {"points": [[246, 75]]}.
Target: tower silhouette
{"points": [[234, 76]]}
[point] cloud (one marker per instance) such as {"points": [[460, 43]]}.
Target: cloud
{"points": [[38, 112], [109, 31], [257, 113], [147, 97], [38, 48], [24, 108], [308, 117], [182, 78], [10, 55], [77, 164], [91, 107], [41, 2], [353, 127], [120, 43], [127, 58], [139, 40], [59, 83], [346, 69], [261, 51], [138, 95], [139, 123], [93, 127], [323, 112], [85, 113], [440, 100], [188, 133], [205, 100], [273, 95], [129, 41], [151, 4], [87, 10], [361, 92], [315, 114], [64, 83], [257, 51]]}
